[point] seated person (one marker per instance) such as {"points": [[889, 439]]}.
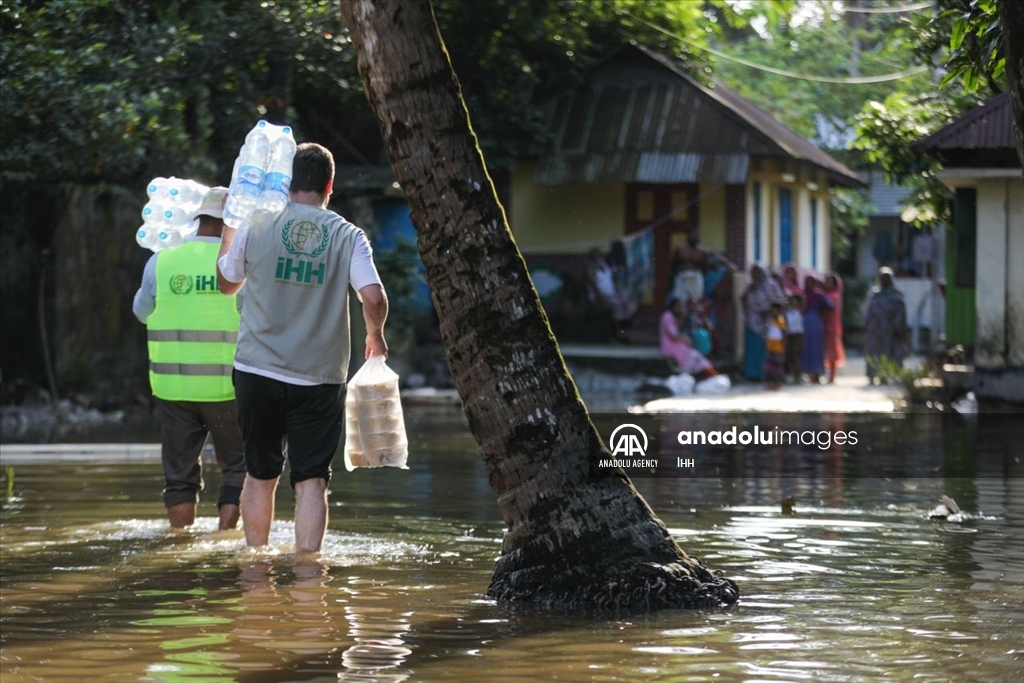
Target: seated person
{"points": [[677, 346]]}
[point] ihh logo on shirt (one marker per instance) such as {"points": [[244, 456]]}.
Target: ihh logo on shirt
{"points": [[181, 284], [202, 284], [304, 239]]}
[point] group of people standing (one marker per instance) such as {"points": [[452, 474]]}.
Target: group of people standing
{"points": [[792, 328], [265, 375]]}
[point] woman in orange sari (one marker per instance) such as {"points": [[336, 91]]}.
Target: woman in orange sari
{"points": [[835, 354]]}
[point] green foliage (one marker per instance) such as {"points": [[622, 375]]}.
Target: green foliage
{"points": [[818, 40], [99, 90], [397, 268], [885, 132], [855, 291], [965, 37], [850, 211], [893, 372], [969, 35]]}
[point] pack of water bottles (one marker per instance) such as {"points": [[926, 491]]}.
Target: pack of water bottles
{"points": [[262, 175], [168, 215]]}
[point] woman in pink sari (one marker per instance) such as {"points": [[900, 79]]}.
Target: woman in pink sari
{"points": [[791, 281], [835, 354], [675, 345]]}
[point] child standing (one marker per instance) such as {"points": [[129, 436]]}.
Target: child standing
{"points": [[775, 347], [794, 336]]}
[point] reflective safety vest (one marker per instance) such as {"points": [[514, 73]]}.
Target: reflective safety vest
{"points": [[193, 329]]}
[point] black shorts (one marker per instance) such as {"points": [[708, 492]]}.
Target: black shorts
{"points": [[272, 414]]}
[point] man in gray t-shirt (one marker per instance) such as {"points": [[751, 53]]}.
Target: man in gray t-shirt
{"points": [[294, 342]]}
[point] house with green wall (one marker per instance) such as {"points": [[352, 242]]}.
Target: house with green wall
{"points": [[985, 244]]}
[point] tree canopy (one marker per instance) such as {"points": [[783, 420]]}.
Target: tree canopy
{"points": [[102, 90]]}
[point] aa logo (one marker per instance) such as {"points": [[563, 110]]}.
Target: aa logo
{"points": [[181, 284], [629, 441], [305, 238]]}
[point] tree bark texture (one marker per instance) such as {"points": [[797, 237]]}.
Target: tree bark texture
{"points": [[1011, 16], [572, 541]]}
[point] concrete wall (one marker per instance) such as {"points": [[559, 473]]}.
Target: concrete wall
{"points": [[1000, 276], [805, 186], [1015, 273]]}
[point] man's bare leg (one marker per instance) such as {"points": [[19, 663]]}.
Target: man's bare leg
{"points": [[258, 509], [310, 514], [182, 515], [228, 516]]}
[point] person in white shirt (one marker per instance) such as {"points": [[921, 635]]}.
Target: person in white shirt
{"points": [[794, 336], [294, 339]]}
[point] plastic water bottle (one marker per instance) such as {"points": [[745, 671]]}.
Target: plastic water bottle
{"points": [[168, 216], [159, 188], [147, 237], [185, 194], [169, 239], [175, 217], [278, 180], [247, 183], [153, 213]]}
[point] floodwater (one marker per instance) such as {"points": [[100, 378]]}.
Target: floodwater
{"points": [[858, 585]]}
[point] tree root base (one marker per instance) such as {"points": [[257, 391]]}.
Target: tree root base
{"points": [[633, 587]]}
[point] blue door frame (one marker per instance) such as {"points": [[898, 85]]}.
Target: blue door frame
{"points": [[785, 225]]}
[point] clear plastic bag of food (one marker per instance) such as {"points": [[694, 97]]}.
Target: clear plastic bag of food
{"points": [[374, 424]]}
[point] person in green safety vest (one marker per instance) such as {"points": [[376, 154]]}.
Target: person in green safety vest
{"points": [[192, 330]]}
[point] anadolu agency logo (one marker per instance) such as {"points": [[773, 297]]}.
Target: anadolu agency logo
{"points": [[629, 445], [628, 440]]}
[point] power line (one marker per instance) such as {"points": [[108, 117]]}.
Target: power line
{"points": [[887, 10], [849, 80]]}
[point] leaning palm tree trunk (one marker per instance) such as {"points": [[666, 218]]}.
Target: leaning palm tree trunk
{"points": [[573, 541]]}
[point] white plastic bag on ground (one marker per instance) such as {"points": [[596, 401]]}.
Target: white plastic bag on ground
{"points": [[719, 384], [680, 385], [374, 425]]}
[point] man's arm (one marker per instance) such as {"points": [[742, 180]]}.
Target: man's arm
{"points": [[231, 261], [375, 312], [366, 282], [145, 299]]}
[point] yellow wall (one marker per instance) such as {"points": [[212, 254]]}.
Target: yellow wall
{"points": [[564, 218], [712, 217]]}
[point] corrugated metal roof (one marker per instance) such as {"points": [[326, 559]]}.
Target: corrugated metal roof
{"points": [[640, 118], [989, 126], [887, 199]]}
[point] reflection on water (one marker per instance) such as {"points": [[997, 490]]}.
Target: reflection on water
{"points": [[858, 585]]}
